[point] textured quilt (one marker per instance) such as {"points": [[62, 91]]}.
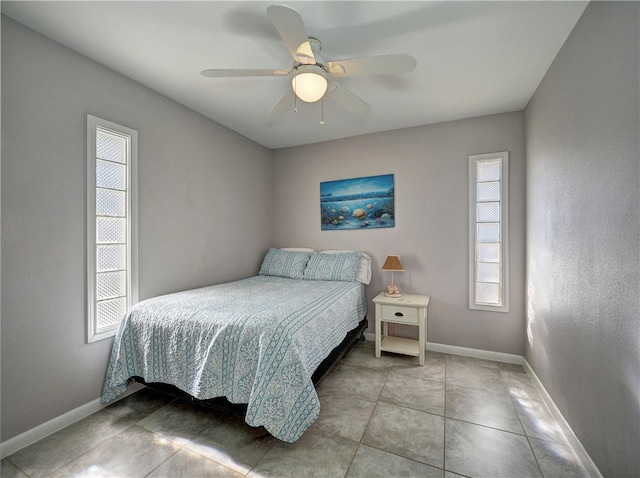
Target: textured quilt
{"points": [[255, 341]]}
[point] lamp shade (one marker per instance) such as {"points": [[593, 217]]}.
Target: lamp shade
{"points": [[392, 264], [309, 83]]}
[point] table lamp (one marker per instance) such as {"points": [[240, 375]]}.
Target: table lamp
{"points": [[392, 264]]}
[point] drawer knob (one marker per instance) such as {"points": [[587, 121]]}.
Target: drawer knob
{"points": [[399, 314]]}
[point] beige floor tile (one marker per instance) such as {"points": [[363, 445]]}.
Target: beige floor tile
{"points": [[490, 409], [180, 420], [58, 449], [413, 392], [372, 463], [556, 460], [346, 416], [356, 381], [406, 432], [315, 454], [477, 451], [132, 453], [188, 464], [233, 443]]}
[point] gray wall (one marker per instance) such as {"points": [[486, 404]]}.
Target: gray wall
{"points": [[204, 214], [583, 235], [430, 167]]}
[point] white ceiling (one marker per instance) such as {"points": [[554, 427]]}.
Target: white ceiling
{"points": [[474, 58]]}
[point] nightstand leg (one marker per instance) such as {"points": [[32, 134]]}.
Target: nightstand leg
{"points": [[378, 338], [421, 337]]}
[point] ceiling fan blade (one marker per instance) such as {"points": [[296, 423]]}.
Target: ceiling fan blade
{"points": [[283, 105], [290, 26], [373, 65], [230, 73], [348, 100]]}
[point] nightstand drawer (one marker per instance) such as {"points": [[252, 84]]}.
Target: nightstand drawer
{"points": [[399, 314]]}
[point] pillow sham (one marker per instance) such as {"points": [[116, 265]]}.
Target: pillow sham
{"points": [[339, 267], [281, 263], [364, 266]]}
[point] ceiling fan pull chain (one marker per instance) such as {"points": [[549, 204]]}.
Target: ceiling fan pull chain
{"points": [[295, 97], [322, 110]]}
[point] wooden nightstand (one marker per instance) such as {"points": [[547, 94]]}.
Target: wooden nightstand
{"points": [[410, 309]]}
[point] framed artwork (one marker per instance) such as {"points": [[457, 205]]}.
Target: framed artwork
{"points": [[357, 203]]}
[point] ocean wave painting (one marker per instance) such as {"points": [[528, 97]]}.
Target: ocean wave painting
{"points": [[358, 203]]}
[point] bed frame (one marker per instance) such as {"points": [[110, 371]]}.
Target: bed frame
{"points": [[324, 370]]}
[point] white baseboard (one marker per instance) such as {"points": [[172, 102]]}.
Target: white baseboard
{"points": [[41, 431], [583, 456], [465, 351], [475, 353]]}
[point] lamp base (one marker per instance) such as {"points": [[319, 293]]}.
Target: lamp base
{"points": [[392, 290]]}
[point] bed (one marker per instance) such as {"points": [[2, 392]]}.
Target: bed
{"points": [[255, 341]]}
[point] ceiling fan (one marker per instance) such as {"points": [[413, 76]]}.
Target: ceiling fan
{"points": [[313, 77]]}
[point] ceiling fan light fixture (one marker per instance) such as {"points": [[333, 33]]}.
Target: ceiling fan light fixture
{"points": [[309, 82]]}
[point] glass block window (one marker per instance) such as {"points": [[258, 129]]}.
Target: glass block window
{"points": [[111, 225], [488, 213]]}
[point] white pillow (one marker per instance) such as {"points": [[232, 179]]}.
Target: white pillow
{"points": [[364, 267]]}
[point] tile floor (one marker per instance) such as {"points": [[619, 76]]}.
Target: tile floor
{"points": [[386, 417]]}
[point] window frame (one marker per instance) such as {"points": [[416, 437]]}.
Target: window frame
{"points": [[93, 124], [474, 160]]}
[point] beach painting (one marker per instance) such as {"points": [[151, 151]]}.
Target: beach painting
{"points": [[358, 203]]}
